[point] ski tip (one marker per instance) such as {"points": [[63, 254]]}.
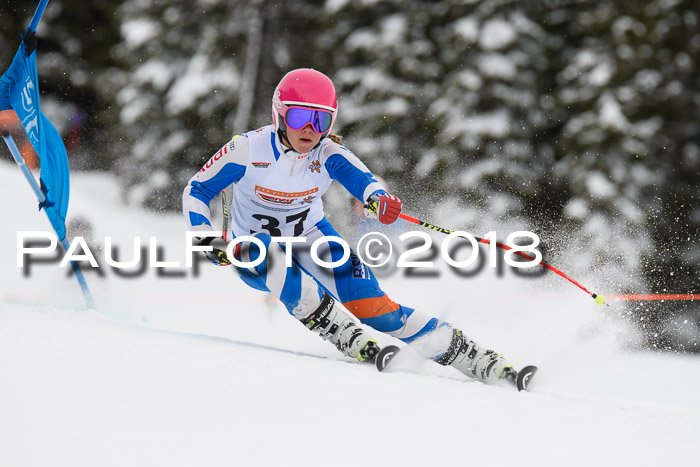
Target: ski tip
{"points": [[385, 356], [525, 376]]}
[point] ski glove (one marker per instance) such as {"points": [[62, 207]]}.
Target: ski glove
{"points": [[384, 207], [218, 253]]}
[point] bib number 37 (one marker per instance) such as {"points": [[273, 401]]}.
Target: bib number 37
{"points": [[272, 224]]}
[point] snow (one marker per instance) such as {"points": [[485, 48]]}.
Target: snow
{"points": [[493, 124], [625, 24], [478, 170], [201, 370], [391, 32], [600, 75], [134, 106], [334, 6], [611, 115], [648, 79], [496, 34], [577, 208], [599, 186], [155, 72], [497, 66], [138, 31], [589, 68], [467, 28], [470, 80], [199, 79], [425, 165]]}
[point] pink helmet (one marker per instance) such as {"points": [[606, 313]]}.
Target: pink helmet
{"points": [[304, 87]]}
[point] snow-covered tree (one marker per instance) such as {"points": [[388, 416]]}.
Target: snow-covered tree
{"points": [[76, 70], [626, 91], [577, 120]]}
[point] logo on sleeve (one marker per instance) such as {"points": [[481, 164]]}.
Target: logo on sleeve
{"points": [[221, 153], [261, 165]]}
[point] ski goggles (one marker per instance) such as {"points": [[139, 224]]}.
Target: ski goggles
{"points": [[297, 118]]}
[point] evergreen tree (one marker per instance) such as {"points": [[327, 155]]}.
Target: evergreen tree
{"points": [[76, 70], [569, 118], [198, 73], [626, 83]]}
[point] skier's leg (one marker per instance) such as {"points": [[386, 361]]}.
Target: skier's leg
{"points": [[304, 299], [356, 287], [354, 284]]}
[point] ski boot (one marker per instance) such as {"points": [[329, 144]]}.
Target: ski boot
{"points": [[484, 365], [334, 325]]}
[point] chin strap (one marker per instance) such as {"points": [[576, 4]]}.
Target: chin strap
{"points": [[282, 135]]}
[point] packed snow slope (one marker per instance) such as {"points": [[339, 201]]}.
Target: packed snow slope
{"points": [[185, 369]]}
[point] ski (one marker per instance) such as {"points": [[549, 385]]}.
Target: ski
{"points": [[522, 381], [385, 356], [519, 379]]}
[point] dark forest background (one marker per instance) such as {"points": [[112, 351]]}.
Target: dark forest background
{"points": [[577, 120]]}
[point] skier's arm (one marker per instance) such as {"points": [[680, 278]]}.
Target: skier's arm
{"points": [[227, 166], [344, 166]]}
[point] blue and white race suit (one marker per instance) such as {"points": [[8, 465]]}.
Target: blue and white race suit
{"points": [[277, 192]]}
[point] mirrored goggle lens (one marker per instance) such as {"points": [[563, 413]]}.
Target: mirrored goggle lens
{"points": [[298, 117]]}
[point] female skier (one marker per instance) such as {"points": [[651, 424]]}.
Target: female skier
{"points": [[279, 173]]}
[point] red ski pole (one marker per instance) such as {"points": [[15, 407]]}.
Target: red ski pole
{"points": [[599, 299]]}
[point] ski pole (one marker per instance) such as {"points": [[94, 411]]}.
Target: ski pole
{"points": [[227, 214], [19, 160], [599, 299]]}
